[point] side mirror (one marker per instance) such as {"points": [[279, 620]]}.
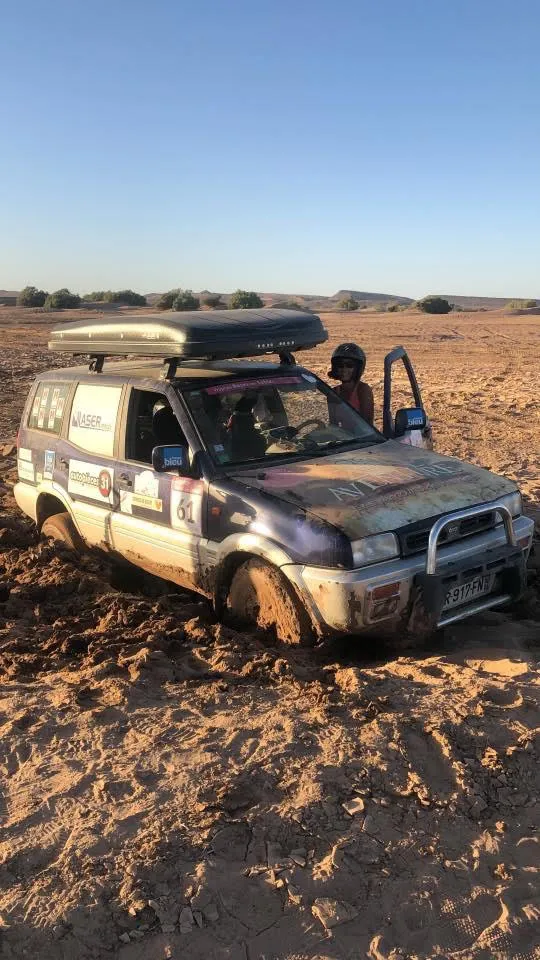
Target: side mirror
{"points": [[409, 418], [171, 458]]}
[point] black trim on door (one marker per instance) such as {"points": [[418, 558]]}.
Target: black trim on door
{"points": [[399, 353]]}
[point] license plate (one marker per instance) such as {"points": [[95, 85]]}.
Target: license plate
{"points": [[465, 592]]}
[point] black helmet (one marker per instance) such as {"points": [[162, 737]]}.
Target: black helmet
{"points": [[348, 351]]}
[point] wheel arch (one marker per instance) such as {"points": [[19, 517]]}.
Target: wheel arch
{"points": [[238, 549], [48, 505]]}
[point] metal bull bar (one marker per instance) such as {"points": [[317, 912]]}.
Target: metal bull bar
{"points": [[506, 560], [443, 522]]}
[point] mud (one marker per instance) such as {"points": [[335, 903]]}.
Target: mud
{"points": [[173, 788]]}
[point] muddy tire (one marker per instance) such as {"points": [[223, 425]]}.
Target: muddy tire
{"points": [[259, 596], [61, 528]]}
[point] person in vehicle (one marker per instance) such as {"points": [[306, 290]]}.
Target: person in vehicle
{"points": [[348, 364]]}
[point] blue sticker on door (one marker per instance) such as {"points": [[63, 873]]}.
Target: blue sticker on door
{"points": [[48, 466]]}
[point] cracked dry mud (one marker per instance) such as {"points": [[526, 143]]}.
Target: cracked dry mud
{"points": [[171, 788]]}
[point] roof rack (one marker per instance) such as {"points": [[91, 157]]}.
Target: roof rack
{"points": [[205, 335]]}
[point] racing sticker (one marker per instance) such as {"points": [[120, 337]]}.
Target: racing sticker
{"points": [[25, 454], [52, 408], [48, 466], [93, 418], [186, 505], [35, 409], [25, 470], [43, 407], [146, 492], [91, 480]]}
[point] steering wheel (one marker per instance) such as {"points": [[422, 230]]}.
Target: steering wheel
{"points": [[306, 423]]}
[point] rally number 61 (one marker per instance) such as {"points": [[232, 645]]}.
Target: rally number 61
{"points": [[184, 511]]}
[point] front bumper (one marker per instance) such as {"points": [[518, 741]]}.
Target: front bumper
{"points": [[344, 601]]}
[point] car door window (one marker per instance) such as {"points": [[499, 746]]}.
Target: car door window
{"points": [[402, 391], [150, 422]]}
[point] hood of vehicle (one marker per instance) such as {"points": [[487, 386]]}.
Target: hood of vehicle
{"points": [[380, 488]]}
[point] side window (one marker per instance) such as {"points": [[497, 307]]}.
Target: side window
{"points": [[150, 422], [402, 392], [92, 421], [48, 406]]}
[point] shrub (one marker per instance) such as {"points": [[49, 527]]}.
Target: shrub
{"points": [[31, 297], [434, 305], [166, 300], [97, 296], [348, 303], [520, 304], [62, 300], [393, 308], [127, 297], [184, 300], [245, 299], [214, 300]]}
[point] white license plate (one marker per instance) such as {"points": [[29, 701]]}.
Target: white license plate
{"points": [[465, 592]]}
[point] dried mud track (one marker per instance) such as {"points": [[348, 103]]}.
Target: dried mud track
{"points": [[173, 788]]}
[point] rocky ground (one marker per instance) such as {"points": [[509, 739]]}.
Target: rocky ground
{"points": [[171, 788]]}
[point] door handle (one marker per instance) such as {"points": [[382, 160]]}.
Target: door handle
{"points": [[64, 463], [125, 478]]}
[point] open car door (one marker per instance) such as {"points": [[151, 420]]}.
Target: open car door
{"points": [[404, 417]]}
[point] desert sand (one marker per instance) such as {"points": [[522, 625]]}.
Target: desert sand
{"points": [[171, 788]]}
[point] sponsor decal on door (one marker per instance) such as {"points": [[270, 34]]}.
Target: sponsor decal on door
{"points": [[93, 418], [91, 480], [26, 470], [145, 494], [146, 491], [48, 466], [186, 505]]}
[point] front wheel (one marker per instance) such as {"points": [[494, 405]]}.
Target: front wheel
{"points": [[259, 596]]}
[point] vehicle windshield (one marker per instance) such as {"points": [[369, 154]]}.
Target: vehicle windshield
{"points": [[274, 416]]}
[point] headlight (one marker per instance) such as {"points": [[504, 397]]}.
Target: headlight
{"points": [[382, 546], [513, 502]]}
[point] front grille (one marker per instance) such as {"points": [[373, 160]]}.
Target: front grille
{"points": [[414, 538]]}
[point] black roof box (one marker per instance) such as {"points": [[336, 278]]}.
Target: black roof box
{"points": [[204, 335]]}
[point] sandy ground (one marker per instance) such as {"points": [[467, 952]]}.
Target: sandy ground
{"points": [[173, 789]]}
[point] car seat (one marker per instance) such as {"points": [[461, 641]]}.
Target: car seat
{"points": [[246, 442]]}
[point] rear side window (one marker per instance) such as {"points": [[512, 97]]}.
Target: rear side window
{"points": [[92, 422], [48, 406]]}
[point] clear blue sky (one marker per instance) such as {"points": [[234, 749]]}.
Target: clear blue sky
{"points": [[281, 145]]}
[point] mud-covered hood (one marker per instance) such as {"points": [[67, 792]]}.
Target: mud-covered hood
{"points": [[380, 488]]}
